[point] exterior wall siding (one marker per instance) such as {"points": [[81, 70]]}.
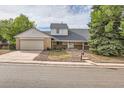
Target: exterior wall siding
{"points": [[51, 44], [17, 43], [47, 43]]}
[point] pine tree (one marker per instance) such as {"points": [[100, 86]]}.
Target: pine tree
{"points": [[105, 30]]}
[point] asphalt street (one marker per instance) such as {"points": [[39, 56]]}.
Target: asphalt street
{"points": [[43, 76]]}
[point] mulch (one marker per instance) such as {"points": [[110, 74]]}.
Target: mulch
{"points": [[43, 56]]}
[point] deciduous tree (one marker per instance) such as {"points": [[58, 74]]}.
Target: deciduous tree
{"points": [[10, 28]]}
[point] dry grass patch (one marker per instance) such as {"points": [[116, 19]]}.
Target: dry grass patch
{"points": [[104, 59], [58, 55]]}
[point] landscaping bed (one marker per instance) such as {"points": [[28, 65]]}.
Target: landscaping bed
{"points": [[59, 55], [104, 59]]}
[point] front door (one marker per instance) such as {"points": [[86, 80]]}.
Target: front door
{"points": [[70, 45]]}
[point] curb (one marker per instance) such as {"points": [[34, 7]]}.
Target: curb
{"points": [[46, 63], [66, 64]]}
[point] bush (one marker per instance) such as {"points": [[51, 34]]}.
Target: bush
{"points": [[12, 46], [48, 49]]}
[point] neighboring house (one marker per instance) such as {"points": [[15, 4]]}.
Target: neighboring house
{"points": [[60, 36]]}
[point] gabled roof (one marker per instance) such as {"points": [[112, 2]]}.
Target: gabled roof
{"points": [[81, 32], [74, 34], [33, 32], [58, 26]]}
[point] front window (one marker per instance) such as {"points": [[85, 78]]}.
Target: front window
{"points": [[57, 31]]}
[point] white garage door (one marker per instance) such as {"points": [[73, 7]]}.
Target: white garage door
{"points": [[31, 45]]}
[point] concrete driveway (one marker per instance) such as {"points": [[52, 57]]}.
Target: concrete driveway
{"points": [[19, 55]]}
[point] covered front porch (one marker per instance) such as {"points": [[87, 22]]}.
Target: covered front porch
{"points": [[69, 44]]}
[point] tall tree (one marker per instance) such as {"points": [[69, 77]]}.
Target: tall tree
{"points": [[5, 27], [20, 24], [105, 30], [10, 28]]}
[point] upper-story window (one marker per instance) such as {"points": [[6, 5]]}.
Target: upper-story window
{"points": [[57, 31]]}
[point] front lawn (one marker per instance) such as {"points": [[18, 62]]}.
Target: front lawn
{"points": [[104, 59], [58, 55]]}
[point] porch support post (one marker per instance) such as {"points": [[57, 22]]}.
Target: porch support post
{"points": [[83, 46], [68, 45]]}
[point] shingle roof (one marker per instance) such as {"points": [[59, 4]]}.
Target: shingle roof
{"points": [[33, 32], [74, 34], [59, 26], [81, 32]]}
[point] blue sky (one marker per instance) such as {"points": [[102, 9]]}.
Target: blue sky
{"points": [[75, 16]]}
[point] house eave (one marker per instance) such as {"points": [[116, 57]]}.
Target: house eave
{"points": [[70, 40]]}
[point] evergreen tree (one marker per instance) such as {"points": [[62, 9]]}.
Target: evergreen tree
{"points": [[105, 30]]}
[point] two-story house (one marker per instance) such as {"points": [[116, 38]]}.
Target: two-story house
{"points": [[60, 36]]}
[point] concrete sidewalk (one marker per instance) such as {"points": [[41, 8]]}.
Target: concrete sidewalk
{"points": [[105, 64], [87, 63]]}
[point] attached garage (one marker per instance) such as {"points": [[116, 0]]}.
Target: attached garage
{"points": [[31, 45], [33, 39]]}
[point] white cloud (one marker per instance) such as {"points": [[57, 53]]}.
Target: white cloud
{"points": [[44, 15]]}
